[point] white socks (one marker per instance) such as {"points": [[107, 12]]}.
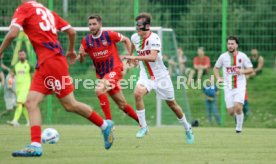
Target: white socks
{"points": [[104, 125], [185, 123], [239, 119], [142, 118], [36, 144]]}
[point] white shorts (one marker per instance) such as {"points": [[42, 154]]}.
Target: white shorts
{"points": [[234, 95], [163, 87]]}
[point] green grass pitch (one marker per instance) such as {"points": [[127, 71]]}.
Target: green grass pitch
{"points": [[84, 144]]}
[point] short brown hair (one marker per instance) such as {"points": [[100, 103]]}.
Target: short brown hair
{"points": [[21, 50], [146, 16], [97, 17], [231, 37]]}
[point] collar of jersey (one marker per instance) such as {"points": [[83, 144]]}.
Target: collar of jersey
{"points": [[96, 37]]}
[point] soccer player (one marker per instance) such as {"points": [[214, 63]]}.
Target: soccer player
{"points": [[235, 66], [101, 47], [153, 75], [51, 75], [22, 70]]}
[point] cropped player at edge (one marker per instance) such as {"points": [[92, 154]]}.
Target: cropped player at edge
{"points": [[153, 75], [235, 65], [41, 26], [101, 47]]}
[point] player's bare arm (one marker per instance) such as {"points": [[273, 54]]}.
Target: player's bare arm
{"points": [[216, 73], [82, 54], [149, 58], [71, 53], [126, 42], [132, 48], [129, 61], [11, 35], [244, 71]]}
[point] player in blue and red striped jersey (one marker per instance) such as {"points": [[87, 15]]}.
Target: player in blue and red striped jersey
{"points": [[101, 47], [51, 75]]}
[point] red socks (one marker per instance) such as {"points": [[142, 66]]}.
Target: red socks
{"points": [[130, 112], [96, 119], [107, 112], [36, 134], [104, 102], [36, 130]]}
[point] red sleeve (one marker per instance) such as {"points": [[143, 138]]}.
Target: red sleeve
{"points": [[84, 45], [115, 36], [195, 61], [19, 17], [61, 24]]}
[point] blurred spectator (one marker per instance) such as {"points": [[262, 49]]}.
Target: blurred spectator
{"points": [[210, 91], [257, 61], [182, 59], [2, 76], [183, 69], [201, 63], [9, 93], [245, 108], [170, 64]]}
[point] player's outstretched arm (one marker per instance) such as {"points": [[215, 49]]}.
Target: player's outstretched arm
{"points": [[127, 43], [148, 58], [82, 54], [246, 71], [71, 53], [216, 73], [131, 62], [11, 35]]}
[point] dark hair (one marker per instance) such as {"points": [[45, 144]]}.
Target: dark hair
{"points": [[21, 50], [146, 16], [233, 38], [97, 17]]}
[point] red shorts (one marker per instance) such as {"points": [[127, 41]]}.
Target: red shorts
{"points": [[114, 78], [53, 76]]}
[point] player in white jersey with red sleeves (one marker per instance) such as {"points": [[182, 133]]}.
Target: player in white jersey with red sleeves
{"points": [[153, 75], [235, 65]]}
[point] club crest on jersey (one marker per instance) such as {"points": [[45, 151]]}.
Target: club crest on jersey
{"points": [[240, 60], [104, 42], [147, 43]]}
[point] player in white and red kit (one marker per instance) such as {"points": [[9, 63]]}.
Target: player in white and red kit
{"points": [[51, 75], [101, 48], [235, 65], [153, 75]]}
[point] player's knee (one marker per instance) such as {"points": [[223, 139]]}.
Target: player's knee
{"points": [[231, 112], [100, 89], [173, 106], [30, 104], [70, 106], [138, 95], [122, 105]]}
